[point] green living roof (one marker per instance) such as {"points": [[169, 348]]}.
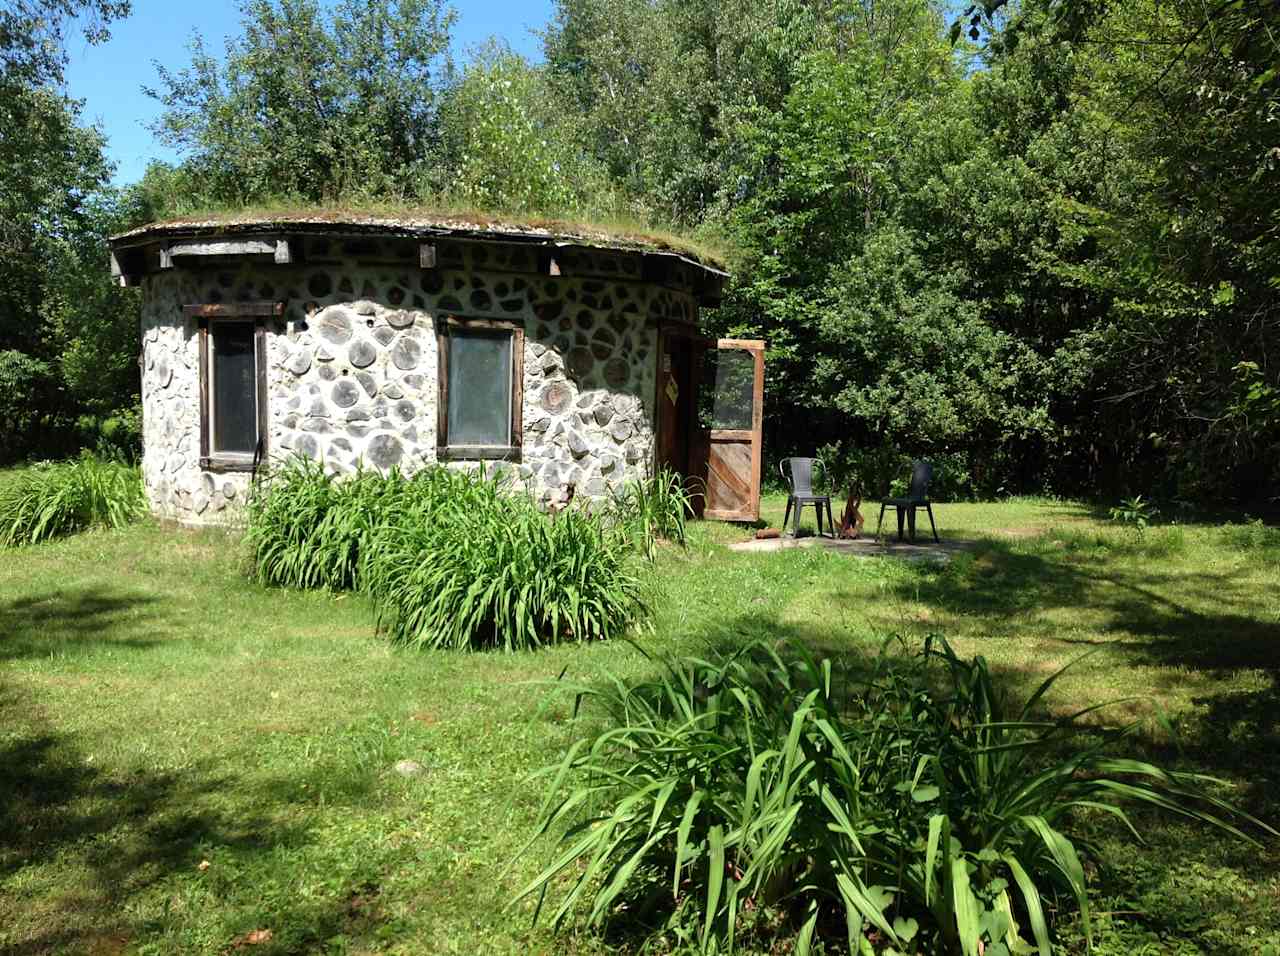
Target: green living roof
{"points": [[426, 222]]}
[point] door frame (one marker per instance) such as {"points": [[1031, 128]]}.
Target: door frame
{"points": [[698, 441]]}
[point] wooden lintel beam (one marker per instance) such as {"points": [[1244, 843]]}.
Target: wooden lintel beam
{"points": [[234, 310], [166, 257], [283, 254], [224, 247]]}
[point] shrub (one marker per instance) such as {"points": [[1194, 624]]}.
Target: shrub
{"points": [[117, 435], [471, 566], [1253, 537], [1135, 512], [27, 386], [884, 470], [902, 806], [449, 558], [310, 530], [653, 509], [51, 499]]}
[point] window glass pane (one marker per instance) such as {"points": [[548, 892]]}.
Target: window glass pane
{"points": [[727, 392], [234, 391], [480, 388]]}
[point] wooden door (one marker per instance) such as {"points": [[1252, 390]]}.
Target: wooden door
{"points": [[730, 406]]}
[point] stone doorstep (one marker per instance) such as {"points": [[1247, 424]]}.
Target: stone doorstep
{"points": [[866, 547]]}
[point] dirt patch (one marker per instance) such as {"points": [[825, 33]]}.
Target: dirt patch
{"points": [[108, 944], [256, 937], [59, 680]]}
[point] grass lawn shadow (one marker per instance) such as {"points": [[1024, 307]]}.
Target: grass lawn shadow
{"points": [[1201, 619], [75, 621], [132, 833]]}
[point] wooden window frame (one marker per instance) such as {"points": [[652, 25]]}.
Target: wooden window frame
{"points": [[256, 313], [447, 326]]}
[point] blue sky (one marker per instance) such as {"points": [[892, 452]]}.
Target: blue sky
{"points": [[110, 77]]}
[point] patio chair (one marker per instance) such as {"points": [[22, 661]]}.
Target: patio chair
{"points": [[917, 496], [798, 474]]}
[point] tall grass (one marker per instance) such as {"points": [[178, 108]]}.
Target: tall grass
{"points": [[909, 806], [654, 509], [475, 567], [449, 558], [58, 498], [309, 530]]}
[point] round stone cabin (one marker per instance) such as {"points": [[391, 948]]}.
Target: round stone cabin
{"points": [[397, 343]]}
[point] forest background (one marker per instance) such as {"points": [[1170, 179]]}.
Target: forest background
{"points": [[1037, 242]]}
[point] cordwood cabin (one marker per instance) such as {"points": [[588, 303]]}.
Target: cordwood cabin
{"points": [[556, 355]]}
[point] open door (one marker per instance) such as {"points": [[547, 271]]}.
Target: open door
{"points": [[730, 410], [710, 410]]}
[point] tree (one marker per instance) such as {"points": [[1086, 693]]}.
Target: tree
{"points": [[311, 103], [874, 340], [662, 86], [33, 34], [53, 179], [510, 145]]}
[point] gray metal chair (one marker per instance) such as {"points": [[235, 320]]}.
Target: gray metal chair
{"points": [[917, 496], [800, 484]]}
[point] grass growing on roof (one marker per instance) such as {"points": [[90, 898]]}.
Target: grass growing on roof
{"points": [[615, 230], [159, 711]]}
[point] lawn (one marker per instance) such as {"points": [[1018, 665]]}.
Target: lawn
{"points": [[189, 760]]}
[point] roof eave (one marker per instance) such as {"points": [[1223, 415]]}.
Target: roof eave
{"points": [[408, 229]]}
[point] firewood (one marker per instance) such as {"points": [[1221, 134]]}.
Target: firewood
{"points": [[851, 521]]}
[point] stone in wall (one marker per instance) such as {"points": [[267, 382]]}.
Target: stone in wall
{"points": [[352, 372]]}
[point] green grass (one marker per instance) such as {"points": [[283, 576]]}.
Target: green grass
{"points": [[160, 711], [449, 558], [620, 230], [51, 499]]}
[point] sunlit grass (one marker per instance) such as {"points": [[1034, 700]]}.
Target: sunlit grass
{"points": [[160, 711]]}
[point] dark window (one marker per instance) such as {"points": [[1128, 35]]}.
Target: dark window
{"points": [[233, 389], [233, 383], [480, 389]]}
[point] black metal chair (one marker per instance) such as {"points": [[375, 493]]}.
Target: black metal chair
{"points": [[800, 483], [917, 496]]}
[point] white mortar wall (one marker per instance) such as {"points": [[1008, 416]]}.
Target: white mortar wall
{"points": [[352, 372]]}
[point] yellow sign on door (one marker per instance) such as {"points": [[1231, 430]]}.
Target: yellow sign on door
{"points": [[673, 392]]}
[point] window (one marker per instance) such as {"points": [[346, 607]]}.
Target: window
{"points": [[481, 389], [233, 387]]}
